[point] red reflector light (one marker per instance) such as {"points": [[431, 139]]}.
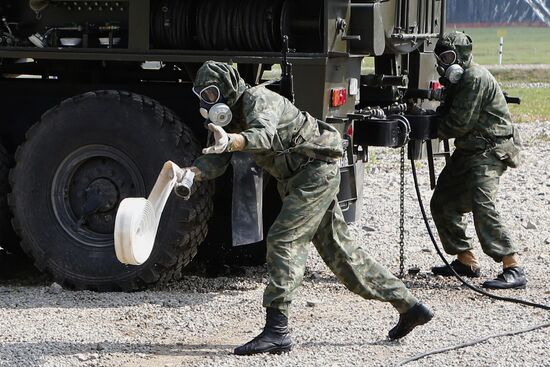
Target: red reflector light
{"points": [[435, 85], [350, 130], [339, 97]]}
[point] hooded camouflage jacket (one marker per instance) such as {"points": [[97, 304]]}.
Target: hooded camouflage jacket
{"points": [[281, 137], [478, 110]]}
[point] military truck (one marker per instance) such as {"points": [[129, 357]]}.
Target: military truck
{"points": [[96, 96]]}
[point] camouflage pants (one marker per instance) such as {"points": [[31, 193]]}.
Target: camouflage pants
{"points": [[311, 213], [464, 187]]}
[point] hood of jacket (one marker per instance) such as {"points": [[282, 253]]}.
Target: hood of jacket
{"points": [[225, 77], [459, 42]]}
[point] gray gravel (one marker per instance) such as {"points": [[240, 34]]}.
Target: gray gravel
{"points": [[198, 321], [524, 85]]}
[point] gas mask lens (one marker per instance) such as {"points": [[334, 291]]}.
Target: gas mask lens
{"points": [[212, 106], [447, 57], [209, 95]]}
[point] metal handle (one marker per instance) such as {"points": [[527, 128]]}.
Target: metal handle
{"points": [[345, 37], [342, 27]]}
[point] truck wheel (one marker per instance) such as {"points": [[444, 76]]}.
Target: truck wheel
{"points": [[8, 239], [77, 164]]}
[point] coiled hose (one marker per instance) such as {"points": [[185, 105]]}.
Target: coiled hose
{"points": [[237, 25]]}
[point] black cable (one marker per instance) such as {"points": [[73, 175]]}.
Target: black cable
{"points": [[474, 288], [470, 343]]}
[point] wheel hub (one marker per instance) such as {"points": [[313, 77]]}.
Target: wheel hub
{"points": [[87, 189], [104, 192]]}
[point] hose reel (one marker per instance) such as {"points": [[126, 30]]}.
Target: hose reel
{"points": [[237, 25]]}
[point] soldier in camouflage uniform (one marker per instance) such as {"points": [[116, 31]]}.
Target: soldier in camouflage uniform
{"points": [[476, 114], [301, 153]]}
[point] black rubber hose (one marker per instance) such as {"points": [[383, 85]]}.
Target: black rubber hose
{"points": [[276, 19], [233, 42], [238, 27], [247, 13], [266, 25], [252, 26], [200, 23], [190, 26], [470, 343], [474, 288], [180, 24], [173, 35]]}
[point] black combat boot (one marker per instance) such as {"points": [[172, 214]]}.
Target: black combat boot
{"points": [[274, 339], [460, 268], [418, 315], [510, 278]]}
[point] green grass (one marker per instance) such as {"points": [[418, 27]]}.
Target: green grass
{"points": [[534, 105], [522, 45]]}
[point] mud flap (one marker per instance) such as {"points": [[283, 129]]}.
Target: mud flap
{"points": [[247, 218]]}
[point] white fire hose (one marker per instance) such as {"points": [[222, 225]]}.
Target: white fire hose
{"points": [[138, 219]]}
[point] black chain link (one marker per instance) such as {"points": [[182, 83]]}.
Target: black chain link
{"points": [[402, 216]]}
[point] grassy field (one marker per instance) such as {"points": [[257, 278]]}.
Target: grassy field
{"points": [[521, 45], [535, 105]]}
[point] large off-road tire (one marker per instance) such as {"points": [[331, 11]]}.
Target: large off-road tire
{"points": [[8, 239], [86, 155]]}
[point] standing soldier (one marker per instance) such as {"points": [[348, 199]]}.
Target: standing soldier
{"points": [[476, 114], [301, 153]]}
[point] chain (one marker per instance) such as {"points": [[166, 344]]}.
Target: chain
{"points": [[402, 216]]}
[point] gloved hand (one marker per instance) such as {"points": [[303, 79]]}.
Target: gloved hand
{"points": [[221, 140]]}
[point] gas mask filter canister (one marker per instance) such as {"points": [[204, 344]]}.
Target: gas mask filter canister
{"points": [[219, 114], [454, 73], [212, 106]]}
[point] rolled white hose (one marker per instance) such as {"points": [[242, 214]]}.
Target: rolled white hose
{"points": [[138, 219]]}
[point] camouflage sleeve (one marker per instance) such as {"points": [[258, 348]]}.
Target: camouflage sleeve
{"points": [[262, 116], [464, 111], [212, 165]]}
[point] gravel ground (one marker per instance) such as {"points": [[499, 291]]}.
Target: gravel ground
{"points": [[518, 66], [524, 85], [198, 321]]}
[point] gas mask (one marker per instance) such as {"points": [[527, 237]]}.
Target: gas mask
{"points": [[213, 106], [449, 66]]}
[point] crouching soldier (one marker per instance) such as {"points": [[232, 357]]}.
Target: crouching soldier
{"points": [[476, 114], [301, 153]]}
